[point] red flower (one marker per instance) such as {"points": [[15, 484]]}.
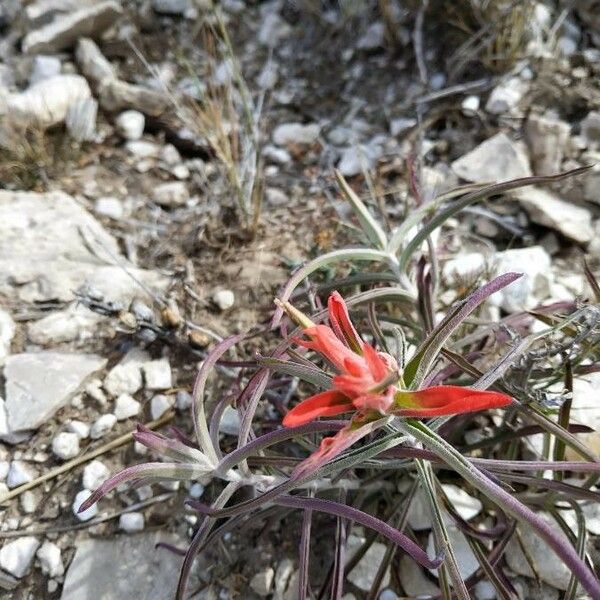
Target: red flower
{"points": [[368, 383], [365, 376]]}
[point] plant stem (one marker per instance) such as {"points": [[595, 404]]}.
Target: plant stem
{"points": [[508, 503]]}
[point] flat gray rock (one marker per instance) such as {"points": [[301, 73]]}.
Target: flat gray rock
{"points": [[549, 567], [126, 567], [65, 30], [496, 159], [544, 208], [38, 384], [50, 246]]}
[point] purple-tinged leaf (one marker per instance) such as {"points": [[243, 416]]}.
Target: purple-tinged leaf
{"points": [[171, 448], [274, 437], [310, 374], [198, 414], [420, 364], [511, 505], [353, 514], [199, 537], [156, 470]]}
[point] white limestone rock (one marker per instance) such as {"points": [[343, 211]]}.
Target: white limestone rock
{"points": [[130, 124], [38, 384], [465, 505], [74, 323], [88, 514], [262, 582], [159, 405], [496, 159], [531, 289], [109, 206], [16, 557], [171, 194], [296, 133], [7, 332], [126, 376], [131, 522], [363, 574], [47, 102], [547, 137], [65, 30], [19, 473], [44, 66], [550, 568], [65, 445], [126, 407], [224, 299], [50, 559], [102, 425], [94, 475], [547, 209], [157, 374], [51, 246], [506, 96], [151, 573], [93, 64]]}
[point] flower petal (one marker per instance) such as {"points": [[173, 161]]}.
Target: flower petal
{"points": [[341, 324], [325, 404], [446, 400]]}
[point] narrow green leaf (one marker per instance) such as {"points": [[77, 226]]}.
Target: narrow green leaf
{"points": [[369, 225]]}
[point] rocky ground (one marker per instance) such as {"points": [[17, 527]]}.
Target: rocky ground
{"points": [[123, 256]]}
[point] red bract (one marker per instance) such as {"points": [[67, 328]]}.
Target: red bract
{"points": [[446, 400]]}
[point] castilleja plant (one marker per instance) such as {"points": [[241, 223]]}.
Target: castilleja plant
{"points": [[390, 422]]}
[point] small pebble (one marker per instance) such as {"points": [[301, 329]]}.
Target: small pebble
{"points": [[144, 493], [262, 582], [126, 407], [183, 400], [4, 466], [29, 502], [102, 426], [94, 475], [131, 522], [470, 106], [65, 445], [140, 448], [159, 405], [16, 557], [81, 429], [130, 124], [157, 374], [19, 473], [88, 514], [109, 207], [170, 194], [50, 559], [224, 299], [196, 490]]}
